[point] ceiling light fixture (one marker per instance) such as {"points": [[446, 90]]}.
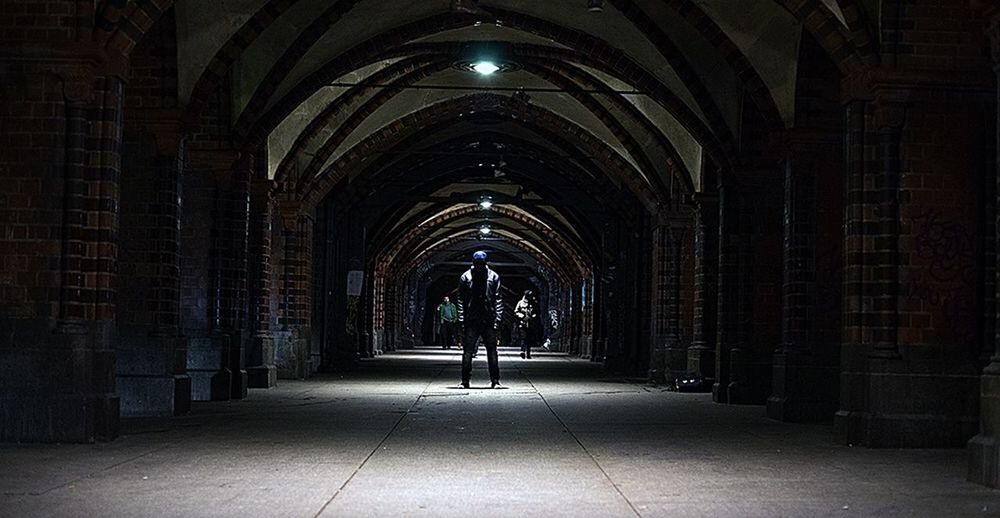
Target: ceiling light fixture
{"points": [[485, 230], [485, 68], [486, 203], [595, 6]]}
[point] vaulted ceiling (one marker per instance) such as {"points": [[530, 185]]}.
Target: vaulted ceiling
{"points": [[644, 96]]}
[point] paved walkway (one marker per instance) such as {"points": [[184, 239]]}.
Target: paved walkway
{"points": [[398, 438]]}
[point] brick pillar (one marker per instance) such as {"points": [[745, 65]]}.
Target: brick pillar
{"points": [[230, 272], [729, 291], [661, 293], [984, 448], [701, 353], [261, 370], [871, 270], [796, 391], [152, 374], [292, 341], [668, 355], [59, 137]]}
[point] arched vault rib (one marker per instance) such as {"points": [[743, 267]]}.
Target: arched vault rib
{"points": [[254, 122], [648, 169], [525, 113], [556, 58]]}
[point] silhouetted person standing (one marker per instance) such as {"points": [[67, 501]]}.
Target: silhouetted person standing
{"points": [[447, 317], [528, 324], [479, 311]]}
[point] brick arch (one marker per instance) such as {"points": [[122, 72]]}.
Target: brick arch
{"points": [[412, 237], [354, 158], [131, 20], [373, 104]]}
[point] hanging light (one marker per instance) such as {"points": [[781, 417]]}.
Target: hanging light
{"points": [[485, 230], [595, 6], [486, 203]]}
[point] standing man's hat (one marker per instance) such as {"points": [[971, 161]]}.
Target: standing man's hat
{"points": [[479, 256]]}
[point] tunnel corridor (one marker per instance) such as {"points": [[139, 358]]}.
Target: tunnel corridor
{"points": [[761, 236]]}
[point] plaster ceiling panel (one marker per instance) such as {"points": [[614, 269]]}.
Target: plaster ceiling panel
{"points": [[281, 140], [412, 100], [708, 63], [687, 147], [255, 62], [489, 32], [768, 35], [364, 21], [202, 29]]}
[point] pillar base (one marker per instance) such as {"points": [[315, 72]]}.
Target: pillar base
{"points": [[701, 361], [147, 396], [676, 363], [803, 389], [892, 409], [182, 394], [263, 376], [66, 418], [984, 449], [240, 384]]}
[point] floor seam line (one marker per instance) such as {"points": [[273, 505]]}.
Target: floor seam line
{"points": [[580, 443], [380, 443]]}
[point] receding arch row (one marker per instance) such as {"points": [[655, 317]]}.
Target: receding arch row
{"points": [[417, 236], [357, 157]]}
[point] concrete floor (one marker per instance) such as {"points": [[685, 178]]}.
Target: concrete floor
{"points": [[399, 438]]}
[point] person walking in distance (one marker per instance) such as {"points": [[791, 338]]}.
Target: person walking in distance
{"points": [[526, 312], [480, 310], [447, 318]]}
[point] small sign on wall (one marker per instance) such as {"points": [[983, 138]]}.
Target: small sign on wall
{"points": [[355, 279]]}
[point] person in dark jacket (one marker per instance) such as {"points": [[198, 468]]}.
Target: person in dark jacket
{"points": [[480, 310]]}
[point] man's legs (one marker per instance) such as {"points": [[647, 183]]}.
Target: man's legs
{"points": [[490, 341], [470, 335], [447, 330]]}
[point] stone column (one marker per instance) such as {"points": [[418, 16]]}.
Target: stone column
{"points": [[261, 371], [984, 448], [729, 296], [701, 353], [668, 355], [794, 396]]}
